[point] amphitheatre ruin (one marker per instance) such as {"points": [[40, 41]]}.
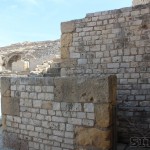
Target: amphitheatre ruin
{"points": [[90, 90]]}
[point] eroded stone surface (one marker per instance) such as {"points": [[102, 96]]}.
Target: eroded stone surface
{"points": [[66, 40], [67, 27], [64, 52], [94, 90], [103, 113], [93, 137]]}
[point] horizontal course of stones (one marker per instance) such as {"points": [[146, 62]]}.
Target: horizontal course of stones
{"points": [[114, 42], [58, 113]]}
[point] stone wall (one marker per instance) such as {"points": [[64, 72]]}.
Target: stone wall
{"points": [[58, 113], [140, 2], [114, 42]]}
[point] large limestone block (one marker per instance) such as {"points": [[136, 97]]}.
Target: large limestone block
{"points": [[97, 90], [103, 114], [93, 137], [66, 40], [67, 27], [46, 105], [10, 106], [65, 89], [65, 52], [5, 85], [85, 89]]}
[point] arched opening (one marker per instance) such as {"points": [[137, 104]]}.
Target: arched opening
{"points": [[11, 60]]}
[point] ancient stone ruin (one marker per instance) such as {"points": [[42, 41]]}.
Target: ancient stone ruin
{"points": [[23, 58], [87, 107]]}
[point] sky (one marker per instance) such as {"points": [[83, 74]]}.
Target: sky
{"points": [[39, 20]]}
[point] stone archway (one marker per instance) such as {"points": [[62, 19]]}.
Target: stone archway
{"points": [[10, 60]]}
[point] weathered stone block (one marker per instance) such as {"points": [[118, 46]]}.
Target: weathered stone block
{"points": [[103, 115], [68, 63], [65, 89], [64, 52], [4, 122], [97, 90], [56, 106], [5, 86], [93, 137], [88, 107], [67, 27], [46, 105], [66, 40], [10, 106]]}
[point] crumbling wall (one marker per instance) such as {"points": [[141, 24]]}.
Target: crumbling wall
{"points": [[114, 42], [58, 113]]}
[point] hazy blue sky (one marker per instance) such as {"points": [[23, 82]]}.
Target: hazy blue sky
{"points": [[39, 20]]}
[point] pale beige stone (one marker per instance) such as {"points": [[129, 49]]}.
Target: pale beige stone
{"points": [[10, 106], [46, 105], [103, 114], [93, 137], [96, 90], [64, 52], [5, 85], [66, 40], [67, 27]]}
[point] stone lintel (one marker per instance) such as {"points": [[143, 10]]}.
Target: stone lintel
{"points": [[85, 89]]}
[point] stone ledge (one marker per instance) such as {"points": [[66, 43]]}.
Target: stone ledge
{"points": [[86, 89]]}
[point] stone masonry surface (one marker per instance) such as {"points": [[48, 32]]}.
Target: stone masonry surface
{"points": [[114, 42], [58, 113], [139, 2]]}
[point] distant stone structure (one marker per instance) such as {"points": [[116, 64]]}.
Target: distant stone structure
{"points": [[22, 57], [140, 2]]}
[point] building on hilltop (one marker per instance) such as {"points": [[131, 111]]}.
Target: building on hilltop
{"points": [[140, 2]]}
